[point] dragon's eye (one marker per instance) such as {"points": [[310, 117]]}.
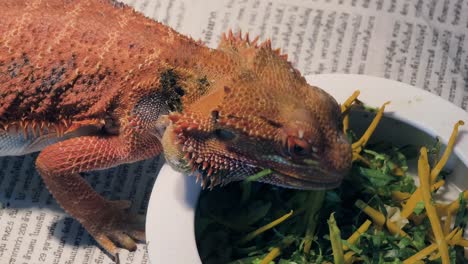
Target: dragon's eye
{"points": [[224, 134], [299, 151], [296, 148]]}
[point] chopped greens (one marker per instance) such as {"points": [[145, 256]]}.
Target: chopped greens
{"points": [[378, 215], [419, 208]]}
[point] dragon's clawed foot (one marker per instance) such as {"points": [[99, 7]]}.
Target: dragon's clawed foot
{"points": [[116, 227]]}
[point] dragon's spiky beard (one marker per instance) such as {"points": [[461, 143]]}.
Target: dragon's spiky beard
{"points": [[211, 166]]}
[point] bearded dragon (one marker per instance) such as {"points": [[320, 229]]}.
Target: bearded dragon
{"points": [[93, 84]]}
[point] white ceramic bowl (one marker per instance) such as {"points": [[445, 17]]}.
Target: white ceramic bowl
{"points": [[414, 115]]}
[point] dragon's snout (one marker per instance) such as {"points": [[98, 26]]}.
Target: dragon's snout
{"points": [[307, 158]]}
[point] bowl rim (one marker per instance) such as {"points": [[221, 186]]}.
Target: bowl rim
{"points": [[172, 205]]}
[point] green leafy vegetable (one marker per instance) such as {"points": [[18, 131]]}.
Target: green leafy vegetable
{"points": [[253, 223], [419, 208]]}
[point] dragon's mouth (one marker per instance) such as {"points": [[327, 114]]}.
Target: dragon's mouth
{"points": [[302, 176], [325, 181], [312, 176]]}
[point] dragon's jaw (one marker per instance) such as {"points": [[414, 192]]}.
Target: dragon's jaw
{"points": [[309, 178], [311, 175], [287, 181], [323, 180]]}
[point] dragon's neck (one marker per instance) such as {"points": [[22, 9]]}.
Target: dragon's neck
{"points": [[191, 73]]}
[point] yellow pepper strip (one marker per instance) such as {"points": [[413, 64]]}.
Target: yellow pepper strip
{"points": [[335, 238], [443, 160], [408, 208], [455, 205], [379, 218], [463, 243], [394, 229], [360, 158], [354, 237], [421, 254], [433, 256], [447, 223], [345, 123], [349, 257], [427, 250], [358, 145], [423, 171], [400, 196], [457, 237], [345, 106], [418, 219], [276, 251], [264, 228], [450, 210]]}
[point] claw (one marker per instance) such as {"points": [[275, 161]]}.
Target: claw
{"points": [[107, 244], [138, 235], [125, 241], [117, 228]]}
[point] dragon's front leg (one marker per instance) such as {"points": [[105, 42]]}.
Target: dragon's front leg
{"points": [[107, 221]]}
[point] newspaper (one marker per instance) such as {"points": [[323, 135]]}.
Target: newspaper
{"points": [[419, 42]]}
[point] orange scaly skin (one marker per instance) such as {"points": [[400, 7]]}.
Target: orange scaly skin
{"points": [[93, 84]]}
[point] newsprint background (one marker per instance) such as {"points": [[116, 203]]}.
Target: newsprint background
{"points": [[419, 42]]}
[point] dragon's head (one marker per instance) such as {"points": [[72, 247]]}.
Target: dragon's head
{"points": [[259, 113]]}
